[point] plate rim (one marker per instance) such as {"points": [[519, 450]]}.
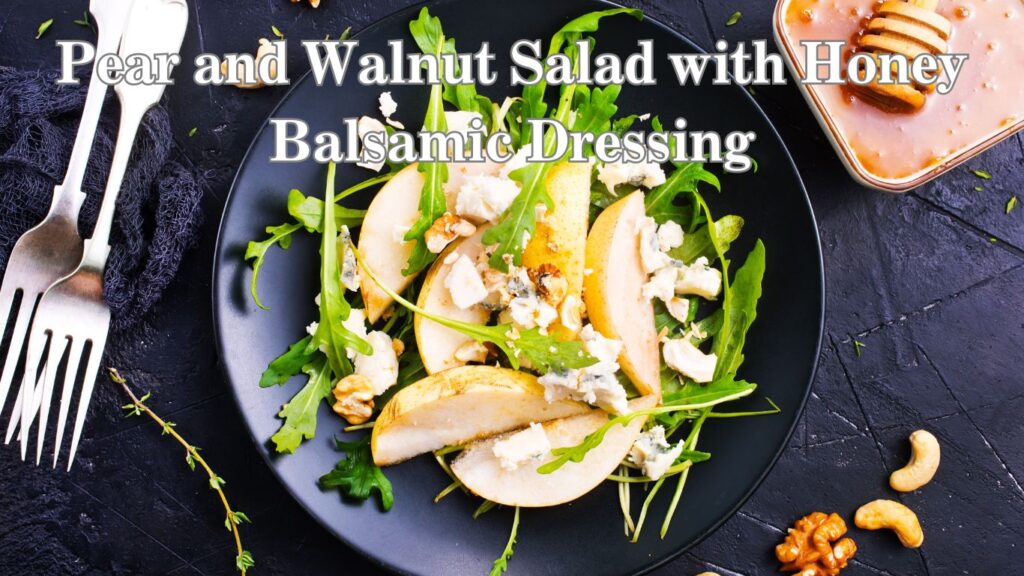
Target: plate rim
{"points": [[654, 564]]}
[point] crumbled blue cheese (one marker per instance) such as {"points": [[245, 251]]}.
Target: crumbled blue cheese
{"points": [[682, 356], [364, 126], [678, 307], [531, 312], [652, 257], [356, 324], [560, 384], [349, 266], [388, 106], [483, 198], [670, 236], [653, 454], [700, 279], [662, 284], [523, 446], [595, 384], [464, 283], [646, 174], [459, 121], [381, 367]]}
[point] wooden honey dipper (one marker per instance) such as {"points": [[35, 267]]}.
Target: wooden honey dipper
{"points": [[910, 28]]}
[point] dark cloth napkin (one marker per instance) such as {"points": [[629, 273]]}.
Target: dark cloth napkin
{"points": [[158, 211]]}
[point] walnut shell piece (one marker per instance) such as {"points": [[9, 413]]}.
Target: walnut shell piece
{"points": [[813, 546], [445, 229], [353, 399]]}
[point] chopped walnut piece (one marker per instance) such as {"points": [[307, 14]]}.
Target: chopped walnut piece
{"points": [[398, 346], [353, 398], [809, 549], [445, 229], [551, 284]]}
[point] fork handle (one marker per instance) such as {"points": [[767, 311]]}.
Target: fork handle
{"points": [[68, 196], [98, 246]]}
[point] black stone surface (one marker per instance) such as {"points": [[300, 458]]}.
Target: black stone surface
{"points": [[929, 281]]}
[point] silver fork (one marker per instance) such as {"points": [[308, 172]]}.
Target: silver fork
{"points": [[53, 248], [72, 313]]}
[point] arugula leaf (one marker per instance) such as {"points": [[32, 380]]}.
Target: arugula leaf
{"points": [[705, 395], [299, 413], [501, 564], [281, 235], [740, 313], [594, 114], [519, 220], [309, 211], [288, 364], [543, 352], [533, 95], [682, 403], [356, 476], [427, 32], [257, 252], [331, 336], [661, 202], [432, 199], [698, 243]]}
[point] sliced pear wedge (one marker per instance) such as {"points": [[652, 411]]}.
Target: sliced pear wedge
{"points": [[480, 471], [393, 210], [460, 405], [561, 235], [437, 344], [613, 291]]}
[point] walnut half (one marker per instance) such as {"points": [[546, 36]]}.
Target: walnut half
{"points": [[445, 229], [809, 549], [353, 398]]}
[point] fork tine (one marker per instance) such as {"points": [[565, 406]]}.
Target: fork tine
{"points": [[65, 396], [22, 320], [12, 425], [49, 377], [92, 368], [29, 386]]}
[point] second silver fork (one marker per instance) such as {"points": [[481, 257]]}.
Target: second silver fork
{"points": [[72, 315], [53, 247]]}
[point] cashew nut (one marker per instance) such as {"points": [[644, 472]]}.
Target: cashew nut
{"points": [[894, 516], [924, 461], [708, 574]]}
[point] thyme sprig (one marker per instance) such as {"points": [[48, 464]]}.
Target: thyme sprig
{"points": [[138, 407]]}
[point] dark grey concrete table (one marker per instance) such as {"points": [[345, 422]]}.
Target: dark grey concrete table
{"points": [[930, 282]]}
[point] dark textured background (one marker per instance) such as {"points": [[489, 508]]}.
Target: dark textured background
{"points": [[929, 281]]}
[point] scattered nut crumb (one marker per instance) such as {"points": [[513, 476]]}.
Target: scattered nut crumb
{"points": [[398, 346], [353, 399], [472, 352], [809, 549], [551, 284]]}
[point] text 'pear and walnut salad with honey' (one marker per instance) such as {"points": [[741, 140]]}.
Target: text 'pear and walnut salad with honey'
{"points": [[537, 327]]}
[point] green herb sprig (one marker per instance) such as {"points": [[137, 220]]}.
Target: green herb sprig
{"points": [[244, 560], [501, 564]]}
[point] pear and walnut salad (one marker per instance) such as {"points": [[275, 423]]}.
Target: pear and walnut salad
{"points": [[538, 328]]}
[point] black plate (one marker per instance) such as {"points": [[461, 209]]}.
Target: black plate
{"points": [[585, 537]]}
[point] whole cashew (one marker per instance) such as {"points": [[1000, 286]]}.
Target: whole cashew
{"points": [[924, 461], [894, 516]]}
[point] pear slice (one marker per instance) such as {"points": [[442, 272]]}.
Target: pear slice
{"points": [[613, 291], [460, 405], [480, 471], [437, 344], [393, 210], [561, 235]]}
